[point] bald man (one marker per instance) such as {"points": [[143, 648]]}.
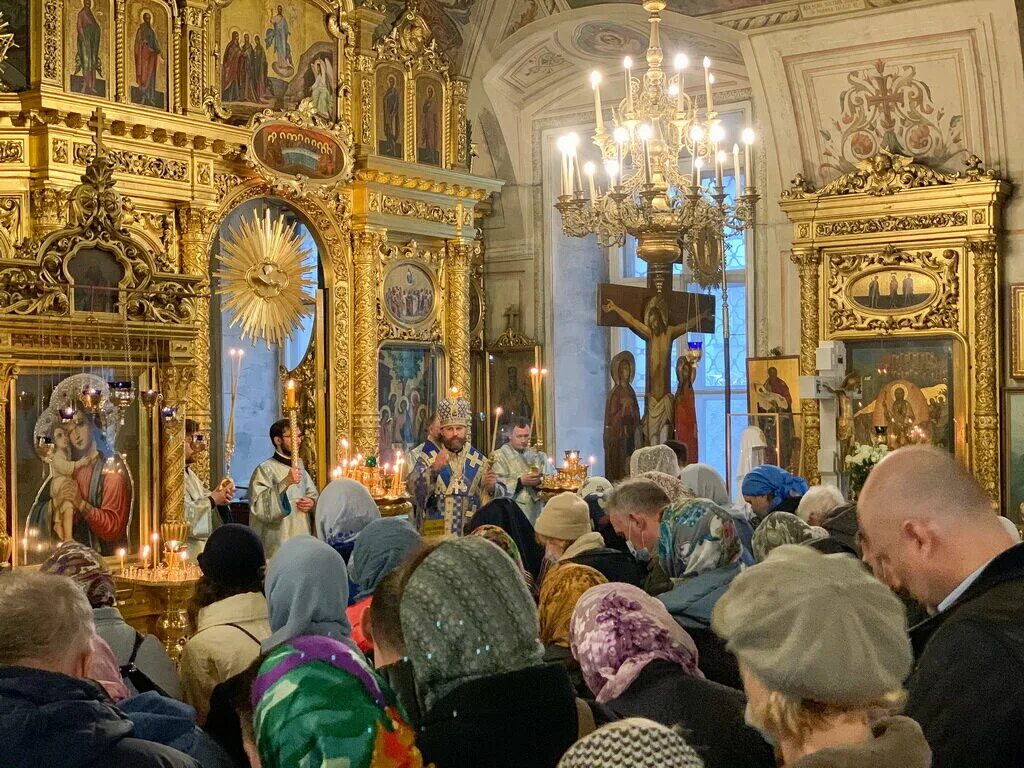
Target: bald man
{"points": [[928, 529]]}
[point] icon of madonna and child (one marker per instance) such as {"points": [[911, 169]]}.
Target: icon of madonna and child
{"points": [[87, 490]]}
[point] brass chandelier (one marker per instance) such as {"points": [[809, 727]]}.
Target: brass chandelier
{"points": [[657, 150]]}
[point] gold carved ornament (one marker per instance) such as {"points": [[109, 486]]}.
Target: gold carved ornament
{"points": [[265, 278]]}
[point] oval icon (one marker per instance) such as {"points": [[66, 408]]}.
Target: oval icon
{"points": [[892, 291], [290, 150]]}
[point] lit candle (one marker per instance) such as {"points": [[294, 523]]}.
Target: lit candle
{"points": [[697, 165], [719, 167], [121, 554], [24, 549], [344, 449], [563, 147], [645, 135], [290, 401], [336, 473], [627, 64], [576, 181], [144, 556], [156, 548], [736, 166], [681, 64], [707, 84], [589, 169], [748, 140], [494, 432], [612, 168], [595, 83]]}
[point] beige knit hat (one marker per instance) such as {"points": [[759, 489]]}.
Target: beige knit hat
{"points": [[565, 517], [816, 626]]}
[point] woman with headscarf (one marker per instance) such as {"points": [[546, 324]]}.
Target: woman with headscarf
{"points": [[653, 458], [379, 549], [344, 509], [563, 587], [635, 742], [316, 702], [152, 668], [471, 631], [777, 529], [228, 611], [674, 487], [770, 489], [508, 516], [504, 542], [706, 483], [307, 593], [700, 548], [593, 492], [640, 663]]}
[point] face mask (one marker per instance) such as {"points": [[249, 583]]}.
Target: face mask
{"points": [[751, 719], [643, 555]]}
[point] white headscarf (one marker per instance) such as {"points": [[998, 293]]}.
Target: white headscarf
{"points": [[595, 485], [653, 458], [344, 508], [750, 438], [706, 483]]}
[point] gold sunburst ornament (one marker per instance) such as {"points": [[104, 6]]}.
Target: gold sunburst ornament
{"points": [[265, 277]]}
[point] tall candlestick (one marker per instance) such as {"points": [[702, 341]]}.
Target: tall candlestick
{"points": [[156, 549], [627, 64], [589, 169], [697, 165], [612, 168], [595, 83], [144, 557], [707, 84], [736, 167], [494, 432], [720, 169], [645, 137]]}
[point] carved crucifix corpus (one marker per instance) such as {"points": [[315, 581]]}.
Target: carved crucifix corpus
{"points": [[659, 317]]}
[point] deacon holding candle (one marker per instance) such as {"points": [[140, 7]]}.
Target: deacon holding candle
{"points": [[282, 495], [522, 469], [450, 482], [205, 510]]}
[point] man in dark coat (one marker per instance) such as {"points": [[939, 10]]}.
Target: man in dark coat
{"points": [[50, 714], [928, 529]]}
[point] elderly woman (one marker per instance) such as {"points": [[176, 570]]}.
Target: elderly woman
{"points": [[379, 549], [700, 549], [816, 504], [777, 529], [705, 483], [635, 742], [344, 509], [674, 487], [653, 458], [640, 663], [768, 489], [821, 702], [563, 588], [151, 668]]}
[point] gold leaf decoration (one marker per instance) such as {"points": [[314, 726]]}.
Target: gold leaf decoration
{"points": [[265, 278]]}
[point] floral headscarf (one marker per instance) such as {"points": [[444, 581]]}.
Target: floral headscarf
{"points": [[653, 458], [563, 587], [500, 538], [777, 529], [616, 630], [697, 536], [86, 568], [317, 702], [673, 487]]}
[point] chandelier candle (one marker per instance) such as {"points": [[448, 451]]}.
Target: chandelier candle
{"points": [[681, 62], [708, 80], [595, 83], [627, 65]]}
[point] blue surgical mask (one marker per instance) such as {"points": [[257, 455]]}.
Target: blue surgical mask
{"points": [[642, 555]]}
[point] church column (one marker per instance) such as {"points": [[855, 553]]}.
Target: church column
{"points": [[193, 50], [460, 254], [174, 382], [808, 260], [985, 449], [8, 370], [368, 242], [195, 225]]}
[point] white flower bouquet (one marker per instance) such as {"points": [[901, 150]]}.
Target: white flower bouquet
{"points": [[862, 460]]}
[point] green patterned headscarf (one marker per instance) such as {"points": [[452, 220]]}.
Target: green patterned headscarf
{"points": [[466, 614], [316, 702], [777, 529]]}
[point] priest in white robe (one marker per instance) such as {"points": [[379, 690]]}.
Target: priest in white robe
{"points": [[281, 498], [521, 469], [204, 509]]}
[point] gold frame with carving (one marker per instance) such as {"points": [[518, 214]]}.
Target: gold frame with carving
{"points": [[1017, 331], [893, 212]]}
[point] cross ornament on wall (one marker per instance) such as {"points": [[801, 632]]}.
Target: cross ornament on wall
{"points": [[97, 124]]}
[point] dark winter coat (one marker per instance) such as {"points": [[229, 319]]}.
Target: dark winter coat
{"points": [[47, 718], [711, 715], [614, 565], [898, 743], [965, 689]]}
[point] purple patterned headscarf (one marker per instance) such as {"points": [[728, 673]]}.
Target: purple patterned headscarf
{"points": [[617, 629]]}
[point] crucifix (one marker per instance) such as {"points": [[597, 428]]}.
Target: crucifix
{"points": [[512, 317], [97, 124], [659, 316]]}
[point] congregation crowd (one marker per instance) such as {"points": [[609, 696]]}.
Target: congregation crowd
{"points": [[656, 622]]}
